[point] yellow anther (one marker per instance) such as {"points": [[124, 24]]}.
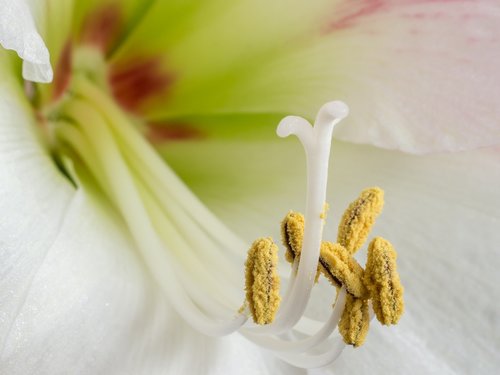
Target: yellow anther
{"points": [[292, 234], [355, 321], [359, 218], [335, 262], [382, 280], [340, 268], [262, 280], [379, 282]]}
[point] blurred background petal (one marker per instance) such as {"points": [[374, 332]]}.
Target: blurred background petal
{"points": [[419, 75]]}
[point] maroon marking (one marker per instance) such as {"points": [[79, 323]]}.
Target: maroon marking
{"points": [[62, 72], [41, 120], [101, 27], [136, 82], [158, 133]]}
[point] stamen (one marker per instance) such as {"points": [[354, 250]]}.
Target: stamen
{"points": [[313, 361], [301, 345], [359, 218], [382, 280], [128, 195], [335, 262], [341, 268], [355, 321], [292, 234], [149, 160], [262, 280]]}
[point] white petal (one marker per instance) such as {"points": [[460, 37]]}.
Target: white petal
{"points": [[18, 32], [441, 214], [419, 76]]}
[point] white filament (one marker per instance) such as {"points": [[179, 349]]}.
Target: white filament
{"points": [[281, 345]]}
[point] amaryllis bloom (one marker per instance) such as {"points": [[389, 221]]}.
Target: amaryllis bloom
{"points": [[138, 162]]}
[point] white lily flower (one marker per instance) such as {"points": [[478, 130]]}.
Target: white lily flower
{"points": [[108, 262]]}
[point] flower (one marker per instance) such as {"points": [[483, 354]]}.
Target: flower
{"points": [[78, 295]]}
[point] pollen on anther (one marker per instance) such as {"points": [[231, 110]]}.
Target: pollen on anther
{"points": [[382, 280], [340, 268], [292, 234], [355, 321], [359, 218], [262, 282]]}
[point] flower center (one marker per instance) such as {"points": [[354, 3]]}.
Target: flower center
{"points": [[133, 82], [194, 258]]}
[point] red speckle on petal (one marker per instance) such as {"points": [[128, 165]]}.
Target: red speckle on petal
{"points": [[136, 82], [166, 132], [349, 15], [102, 26], [418, 16], [415, 31], [62, 72]]}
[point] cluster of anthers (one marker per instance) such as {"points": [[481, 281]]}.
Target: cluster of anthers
{"points": [[379, 282]]}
